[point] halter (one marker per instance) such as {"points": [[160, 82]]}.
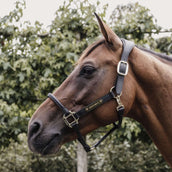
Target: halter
{"points": [[71, 118]]}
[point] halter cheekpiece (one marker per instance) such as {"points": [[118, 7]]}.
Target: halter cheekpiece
{"points": [[71, 119]]}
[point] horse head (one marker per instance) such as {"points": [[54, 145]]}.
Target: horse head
{"points": [[93, 77]]}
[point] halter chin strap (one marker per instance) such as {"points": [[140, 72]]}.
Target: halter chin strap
{"points": [[71, 119]]}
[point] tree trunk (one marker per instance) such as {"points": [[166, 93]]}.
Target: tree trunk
{"points": [[81, 159]]}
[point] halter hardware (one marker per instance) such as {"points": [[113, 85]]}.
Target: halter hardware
{"points": [[71, 119], [120, 105], [117, 98], [121, 71]]}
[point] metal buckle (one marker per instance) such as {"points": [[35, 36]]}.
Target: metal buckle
{"points": [[70, 120], [118, 68]]}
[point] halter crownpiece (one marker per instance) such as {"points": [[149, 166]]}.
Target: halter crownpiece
{"points": [[71, 119]]}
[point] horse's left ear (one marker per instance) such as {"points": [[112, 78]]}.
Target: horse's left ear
{"points": [[108, 34]]}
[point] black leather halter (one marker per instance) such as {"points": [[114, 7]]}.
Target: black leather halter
{"points": [[71, 119]]}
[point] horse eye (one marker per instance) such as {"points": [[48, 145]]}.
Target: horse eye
{"points": [[87, 71]]}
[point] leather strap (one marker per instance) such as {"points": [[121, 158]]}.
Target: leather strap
{"points": [[94, 105], [58, 103], [123, 65], [87, 148]]}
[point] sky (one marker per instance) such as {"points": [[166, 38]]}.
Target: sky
{"points": [[44, 10]]}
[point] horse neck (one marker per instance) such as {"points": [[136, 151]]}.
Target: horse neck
{"points": [[153, 102]]}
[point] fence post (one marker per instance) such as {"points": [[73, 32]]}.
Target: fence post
{"points": [[81, 158]]}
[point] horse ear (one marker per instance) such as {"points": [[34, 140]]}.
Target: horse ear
{"points": [[108, 34]]}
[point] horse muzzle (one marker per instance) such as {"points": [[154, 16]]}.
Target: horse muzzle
{"points": [[43, 142]]}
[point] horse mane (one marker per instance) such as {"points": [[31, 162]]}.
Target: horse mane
{"points": [[90, 48], [161, 55]]}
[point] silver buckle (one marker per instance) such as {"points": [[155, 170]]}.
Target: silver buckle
{"points": [[118, 68], [70, 120]]}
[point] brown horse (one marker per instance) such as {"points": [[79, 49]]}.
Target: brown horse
{"points": [[146, 96]]}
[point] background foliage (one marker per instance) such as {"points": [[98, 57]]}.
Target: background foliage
{"points": [[115, 156], [34, 62]]}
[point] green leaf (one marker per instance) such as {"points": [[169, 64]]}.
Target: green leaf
{"points": [[21, 77]]}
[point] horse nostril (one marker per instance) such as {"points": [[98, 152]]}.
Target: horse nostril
{"points": [[35, 129]]}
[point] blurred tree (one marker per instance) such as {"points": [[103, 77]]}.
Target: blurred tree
{"points": [[12, 119], [133, 21], [164, 44]]}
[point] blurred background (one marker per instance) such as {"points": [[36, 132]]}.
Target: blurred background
{"points": [[40, 41]]}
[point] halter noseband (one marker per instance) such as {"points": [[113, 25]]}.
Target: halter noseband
{"points": [[71, 119]]}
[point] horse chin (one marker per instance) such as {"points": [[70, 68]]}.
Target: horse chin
{"points": [[52, 146], [47, 147]]}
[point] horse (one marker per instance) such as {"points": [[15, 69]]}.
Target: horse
{"points": [[112, 79]]}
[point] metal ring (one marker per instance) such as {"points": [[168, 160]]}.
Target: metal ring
{"points": [[113, 94]]}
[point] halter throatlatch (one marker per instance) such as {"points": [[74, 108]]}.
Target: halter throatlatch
{"points": [[71, 119]]}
